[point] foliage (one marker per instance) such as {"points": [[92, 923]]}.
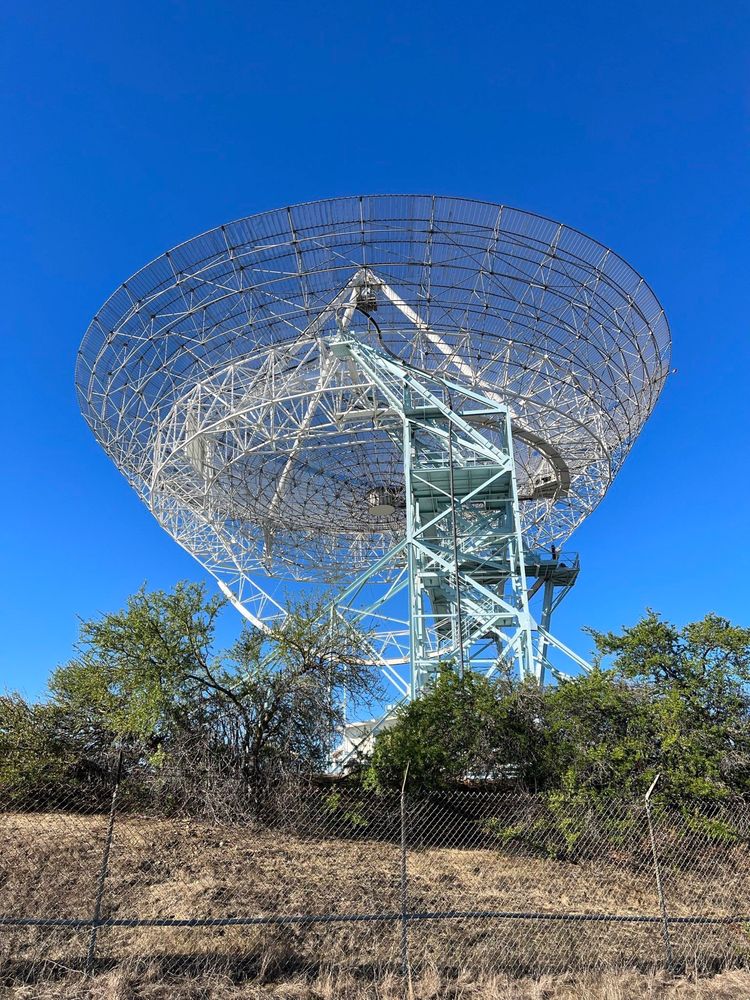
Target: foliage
{"points": [[690, 692], [461, 728], [145, 672], [599, 735], [45, 758], [662, 700], [146, 678], [671, 701]]}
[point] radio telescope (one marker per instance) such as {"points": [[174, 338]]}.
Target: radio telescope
{"points": [[413, 400]]}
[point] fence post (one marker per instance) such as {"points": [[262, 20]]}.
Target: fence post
{"points": [[103, 868], [657, 873], [404, 893]]}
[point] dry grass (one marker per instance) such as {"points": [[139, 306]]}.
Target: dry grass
{"points": [[151, 984], [182, 869]]}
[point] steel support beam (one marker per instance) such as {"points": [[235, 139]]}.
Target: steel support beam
{"points": [[463, 551]]}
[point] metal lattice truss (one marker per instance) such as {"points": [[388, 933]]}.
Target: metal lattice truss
{"points": [[462, 557], [208, 380]]}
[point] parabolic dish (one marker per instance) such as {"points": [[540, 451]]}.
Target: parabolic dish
{"points": [[204, 378]]}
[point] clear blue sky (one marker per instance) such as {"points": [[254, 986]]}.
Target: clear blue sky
{"points": [[128, 128]]}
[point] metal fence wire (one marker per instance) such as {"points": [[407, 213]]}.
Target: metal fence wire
{"points": [[188, 872]]}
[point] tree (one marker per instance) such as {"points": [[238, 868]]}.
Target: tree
{"points": [[147, 677], [672, 701], [146, 672], [292, 685], [695, 682], [462, 728], [601, 736], [45, 759]]}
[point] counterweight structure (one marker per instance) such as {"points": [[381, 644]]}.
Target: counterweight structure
{"points": [[412, 400]]}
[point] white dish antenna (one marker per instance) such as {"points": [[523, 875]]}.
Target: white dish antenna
{"points": [[209, 377]]}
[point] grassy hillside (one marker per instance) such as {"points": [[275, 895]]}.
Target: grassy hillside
{"points": [[183, 869]]}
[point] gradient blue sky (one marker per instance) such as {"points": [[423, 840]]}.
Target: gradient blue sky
{"points": [[129, 128]]}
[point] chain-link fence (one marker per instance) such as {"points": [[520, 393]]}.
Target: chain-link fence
{"points": [[189, 872]]}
